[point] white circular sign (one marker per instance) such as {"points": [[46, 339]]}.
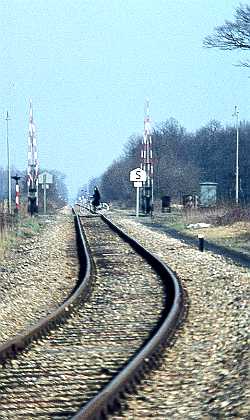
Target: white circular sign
{"points": [[138, 175]]}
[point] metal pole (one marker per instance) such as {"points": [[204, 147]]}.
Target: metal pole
{"points": [[237, 160], [44, 195], [137, 200], [236, 115], [8, 158], [44, 198]]}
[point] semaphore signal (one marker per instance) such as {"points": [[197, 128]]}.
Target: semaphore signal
{"points": [[147, 163], [32, 171]]}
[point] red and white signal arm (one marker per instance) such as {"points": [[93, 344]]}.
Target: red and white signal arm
{"points": [[138, 175]]}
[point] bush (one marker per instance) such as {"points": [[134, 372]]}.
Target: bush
{"points": [[236, 214]]}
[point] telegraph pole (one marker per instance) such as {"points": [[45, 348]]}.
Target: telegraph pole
{"points": [[8, 159], [236, 115]]}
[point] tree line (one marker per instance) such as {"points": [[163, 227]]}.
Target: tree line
{"points": [[182, 160]]}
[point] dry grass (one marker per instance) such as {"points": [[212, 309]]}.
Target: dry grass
{"points": [[234, 231], [9, 236], [229, 226], [230, 231], [6, 239], [235, 236]]}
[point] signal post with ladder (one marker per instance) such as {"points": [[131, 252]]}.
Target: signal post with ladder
{"points": [[147, 164], [32, 170]]}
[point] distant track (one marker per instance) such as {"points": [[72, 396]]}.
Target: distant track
{"points": [[131, 308]]}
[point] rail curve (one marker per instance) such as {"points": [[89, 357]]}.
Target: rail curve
{"points": [[125, 381], [144, 359]]}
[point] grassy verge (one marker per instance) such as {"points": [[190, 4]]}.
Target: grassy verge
{"points": [[224, 228], [29, 227], [228, 227], [24, 228], [235, 236], [6, 241]]}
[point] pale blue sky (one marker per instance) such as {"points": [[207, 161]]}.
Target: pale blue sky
{"points": [[89, 65]]}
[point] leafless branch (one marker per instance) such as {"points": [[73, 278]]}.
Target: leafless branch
{"points": [[232, 35]]}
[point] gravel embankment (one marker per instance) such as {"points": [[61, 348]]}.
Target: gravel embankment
{"points": [[37, 275], [204, 372]]}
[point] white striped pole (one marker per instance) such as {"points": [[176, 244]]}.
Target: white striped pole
{"points": [[32, 164], [16, 178], [17, 198]]}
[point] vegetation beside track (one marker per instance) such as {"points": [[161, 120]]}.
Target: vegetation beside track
{"points": [[38, 272], [235, 236], [228, 227], [12, 234]]}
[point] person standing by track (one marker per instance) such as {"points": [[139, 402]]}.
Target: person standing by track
{"points": [[96, 198]]}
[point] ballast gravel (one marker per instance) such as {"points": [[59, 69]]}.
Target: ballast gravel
{"points": [[66, 369], [37, 275], [204, 373]]}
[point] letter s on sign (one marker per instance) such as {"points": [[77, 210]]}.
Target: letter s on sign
{"points": [[138, 175]]}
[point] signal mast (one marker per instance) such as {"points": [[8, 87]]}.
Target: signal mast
{"points": [[32, 171], [147, 164]]}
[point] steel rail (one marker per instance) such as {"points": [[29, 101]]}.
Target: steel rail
{"points": [[41, 328], [142, 362]]}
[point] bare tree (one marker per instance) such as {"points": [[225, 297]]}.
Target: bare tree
{"points": [[232, 35]]}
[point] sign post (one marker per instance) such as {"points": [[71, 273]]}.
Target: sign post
{"points": [[138, 176], [44, 186], [137, 201], [45, 179]]}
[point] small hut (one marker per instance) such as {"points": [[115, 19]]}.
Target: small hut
{"points": [[208, 194]]}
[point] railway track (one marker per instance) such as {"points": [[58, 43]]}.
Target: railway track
{"points": [[79, 364]]}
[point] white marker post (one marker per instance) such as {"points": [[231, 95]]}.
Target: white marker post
{"points": [[137, 185], [138, 176]]}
